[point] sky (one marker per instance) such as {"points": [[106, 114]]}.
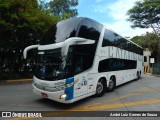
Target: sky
{"points": [[111, 13]]}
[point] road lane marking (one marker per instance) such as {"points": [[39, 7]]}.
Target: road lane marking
{"points": [[118, 105], [119, 97], [104, 107], [12, 82], [94, 108], [101, 105], [148, 91], [111, 100]]}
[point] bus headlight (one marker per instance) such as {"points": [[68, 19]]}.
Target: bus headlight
{"points": [[63, 96]]}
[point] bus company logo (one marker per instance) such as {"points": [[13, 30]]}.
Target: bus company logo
{"points": [[6, 114]]}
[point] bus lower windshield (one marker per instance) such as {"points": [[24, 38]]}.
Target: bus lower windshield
{"points": [[51, 66]]}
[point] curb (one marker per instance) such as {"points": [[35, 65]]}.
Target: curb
{"points": [[19, 81]]}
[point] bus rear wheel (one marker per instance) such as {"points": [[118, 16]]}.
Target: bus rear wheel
{"points": [[111, 85], [101, 88], [138, 76]]}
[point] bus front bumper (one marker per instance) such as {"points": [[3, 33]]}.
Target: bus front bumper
{"points": [[56, 96]]}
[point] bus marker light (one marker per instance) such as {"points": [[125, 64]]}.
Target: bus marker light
{"points": [[63, 96]]}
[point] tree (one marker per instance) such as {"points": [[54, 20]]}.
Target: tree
{"points": [[150, 41], [146, 14], [63, 8], [22, 23]]}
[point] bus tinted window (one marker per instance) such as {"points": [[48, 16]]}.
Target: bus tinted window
{"points": [[112, 39], [83, 57], [90, 30], [114, 64], [108, 39], [61, 31], [123, 43]]}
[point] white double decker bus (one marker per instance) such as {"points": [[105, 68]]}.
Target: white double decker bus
{"points": [[80, 57]]}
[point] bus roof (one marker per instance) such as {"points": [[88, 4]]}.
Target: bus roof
{"points": [[79, 19]]}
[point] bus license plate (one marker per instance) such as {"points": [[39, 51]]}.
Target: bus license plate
{"points": [[44, 94]]}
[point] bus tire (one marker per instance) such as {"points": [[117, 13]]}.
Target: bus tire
{"points": [[101, 87], [138, 76], [112, 84]]}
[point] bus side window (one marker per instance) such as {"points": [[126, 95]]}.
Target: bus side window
{"points": [[82, 63], [108, 39], [78, 64]]}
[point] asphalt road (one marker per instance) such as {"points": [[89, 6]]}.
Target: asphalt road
{"points": [[141, 95]]}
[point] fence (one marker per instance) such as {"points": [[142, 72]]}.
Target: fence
{"points": [[156, 68]]}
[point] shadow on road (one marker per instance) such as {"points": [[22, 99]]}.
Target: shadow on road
{"points": [[62, 106]]}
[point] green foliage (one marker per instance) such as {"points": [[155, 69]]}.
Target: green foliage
{"points": [[22, 23], [23, 18], [63, 8], [150, 41], [146, 14]]}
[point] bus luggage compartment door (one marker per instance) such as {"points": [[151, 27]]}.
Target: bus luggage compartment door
{"points": [[80, 87]]}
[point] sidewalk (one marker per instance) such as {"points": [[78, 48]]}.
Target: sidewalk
{"points": [[18, 81], [150, 74]]}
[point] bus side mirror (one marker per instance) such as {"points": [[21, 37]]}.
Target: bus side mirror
{"points": [[27, 49], [74, 41]]}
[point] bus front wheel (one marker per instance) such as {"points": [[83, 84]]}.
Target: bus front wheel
{"points": [[101, 88]]}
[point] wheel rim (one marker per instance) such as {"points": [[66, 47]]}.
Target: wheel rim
{"points": [[99, 87], [111, 84]]}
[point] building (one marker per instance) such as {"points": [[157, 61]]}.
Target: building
{"points": [[147, 55]]}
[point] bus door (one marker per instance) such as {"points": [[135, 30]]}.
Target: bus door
{"points": [[81, 75], [80, 87]]}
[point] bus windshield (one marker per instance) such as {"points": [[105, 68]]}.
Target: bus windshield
{"points": [[61, 31], [51, 65]]}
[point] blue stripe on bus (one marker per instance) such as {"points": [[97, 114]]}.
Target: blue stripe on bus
{"points": [[69, 90]]}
